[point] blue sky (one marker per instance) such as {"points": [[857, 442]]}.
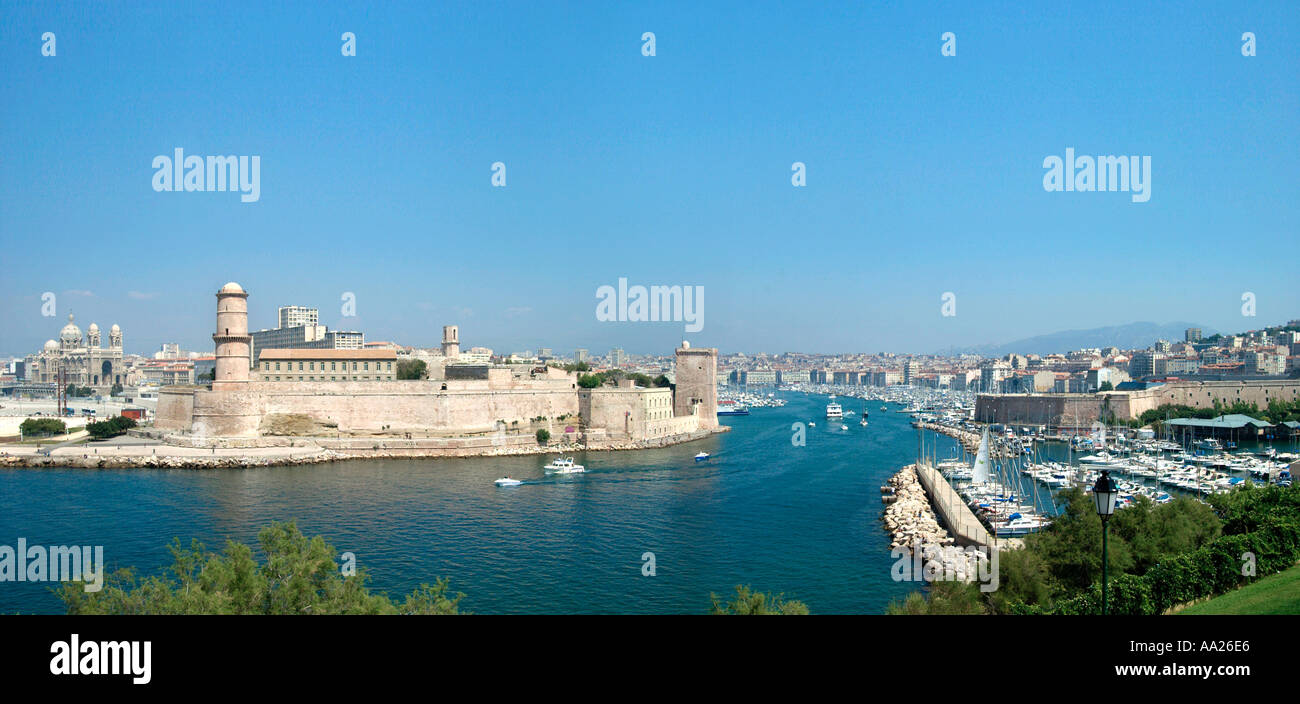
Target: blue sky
{"points": [[924, 173]]}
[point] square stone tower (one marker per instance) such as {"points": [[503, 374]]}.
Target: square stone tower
{"points": [[697, 384]]}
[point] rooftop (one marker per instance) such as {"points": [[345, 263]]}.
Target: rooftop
{"points": [[1231, 421]]}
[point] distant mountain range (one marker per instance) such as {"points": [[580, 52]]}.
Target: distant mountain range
{"points": [[1130, 336]]}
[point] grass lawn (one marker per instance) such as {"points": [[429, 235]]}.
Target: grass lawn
{"points": [[1275, 594]]}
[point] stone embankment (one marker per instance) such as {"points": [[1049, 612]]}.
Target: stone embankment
{"points": [[308, 452], [84, 461]]}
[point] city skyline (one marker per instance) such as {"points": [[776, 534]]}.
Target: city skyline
{"points": [[652, 170]]}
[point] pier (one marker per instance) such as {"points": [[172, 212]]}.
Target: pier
{"points": [[960, 521]]}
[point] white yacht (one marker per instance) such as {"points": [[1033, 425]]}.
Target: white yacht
{"points": [[563, 465], [834, 410]]}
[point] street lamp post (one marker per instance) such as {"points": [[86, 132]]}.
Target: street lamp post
{"points": [[1104, 494]]}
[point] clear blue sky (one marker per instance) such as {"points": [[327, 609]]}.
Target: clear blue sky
{"points": [[924, 172]]}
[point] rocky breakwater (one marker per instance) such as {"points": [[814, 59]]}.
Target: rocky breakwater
{"points": [[969, 440], [166, 461], [909, 518], [914, 530]]}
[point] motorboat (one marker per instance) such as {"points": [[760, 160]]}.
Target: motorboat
{"points": [[844, 427], [507, 481], [564, 465], [701, 457]]}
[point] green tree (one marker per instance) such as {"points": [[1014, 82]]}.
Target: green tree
{"points": [[42, 426], [412, 369], [945, 598], [299, 575], [110, 428], [749, 603], [543, 436], [590, 381], [1106, 386], [117, 389]]}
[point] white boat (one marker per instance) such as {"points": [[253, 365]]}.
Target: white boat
{"points": [[863, 422], [834, 410], [844, 427], [701, 457], [563, 465], [507, 481]]}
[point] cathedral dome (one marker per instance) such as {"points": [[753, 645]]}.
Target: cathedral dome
{"points": [[231, 287], [70, 333], [115, 329], [51, 345]]}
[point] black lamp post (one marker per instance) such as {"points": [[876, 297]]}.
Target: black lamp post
{"points": [[1104, 494]]}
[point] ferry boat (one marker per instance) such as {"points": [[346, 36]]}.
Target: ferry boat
{"points": [[834, 410], [732, 408], [563, 465]]}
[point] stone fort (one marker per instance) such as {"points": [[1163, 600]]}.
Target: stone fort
{"points": [[243, 406], [1081, 410]]}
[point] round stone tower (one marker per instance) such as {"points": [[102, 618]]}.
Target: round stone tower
{"points": [[232, 338], [450, 342]]}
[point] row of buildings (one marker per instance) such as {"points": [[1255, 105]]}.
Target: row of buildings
{"points": [[1254, 355]]}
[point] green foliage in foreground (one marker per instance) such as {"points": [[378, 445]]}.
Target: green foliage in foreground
{"points": [[944, 599], [750, 603], [299, 576], [1275, 594], [1160, 556]]}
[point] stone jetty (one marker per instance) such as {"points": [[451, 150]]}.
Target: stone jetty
{"points": [[914, 527], [908, 517]]}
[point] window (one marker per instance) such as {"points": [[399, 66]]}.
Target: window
{"points": [[299, 366], [365, 366], [277, 368], [333, 367]]}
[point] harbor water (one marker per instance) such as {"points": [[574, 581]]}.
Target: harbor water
{"points": [[761, 511]]}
